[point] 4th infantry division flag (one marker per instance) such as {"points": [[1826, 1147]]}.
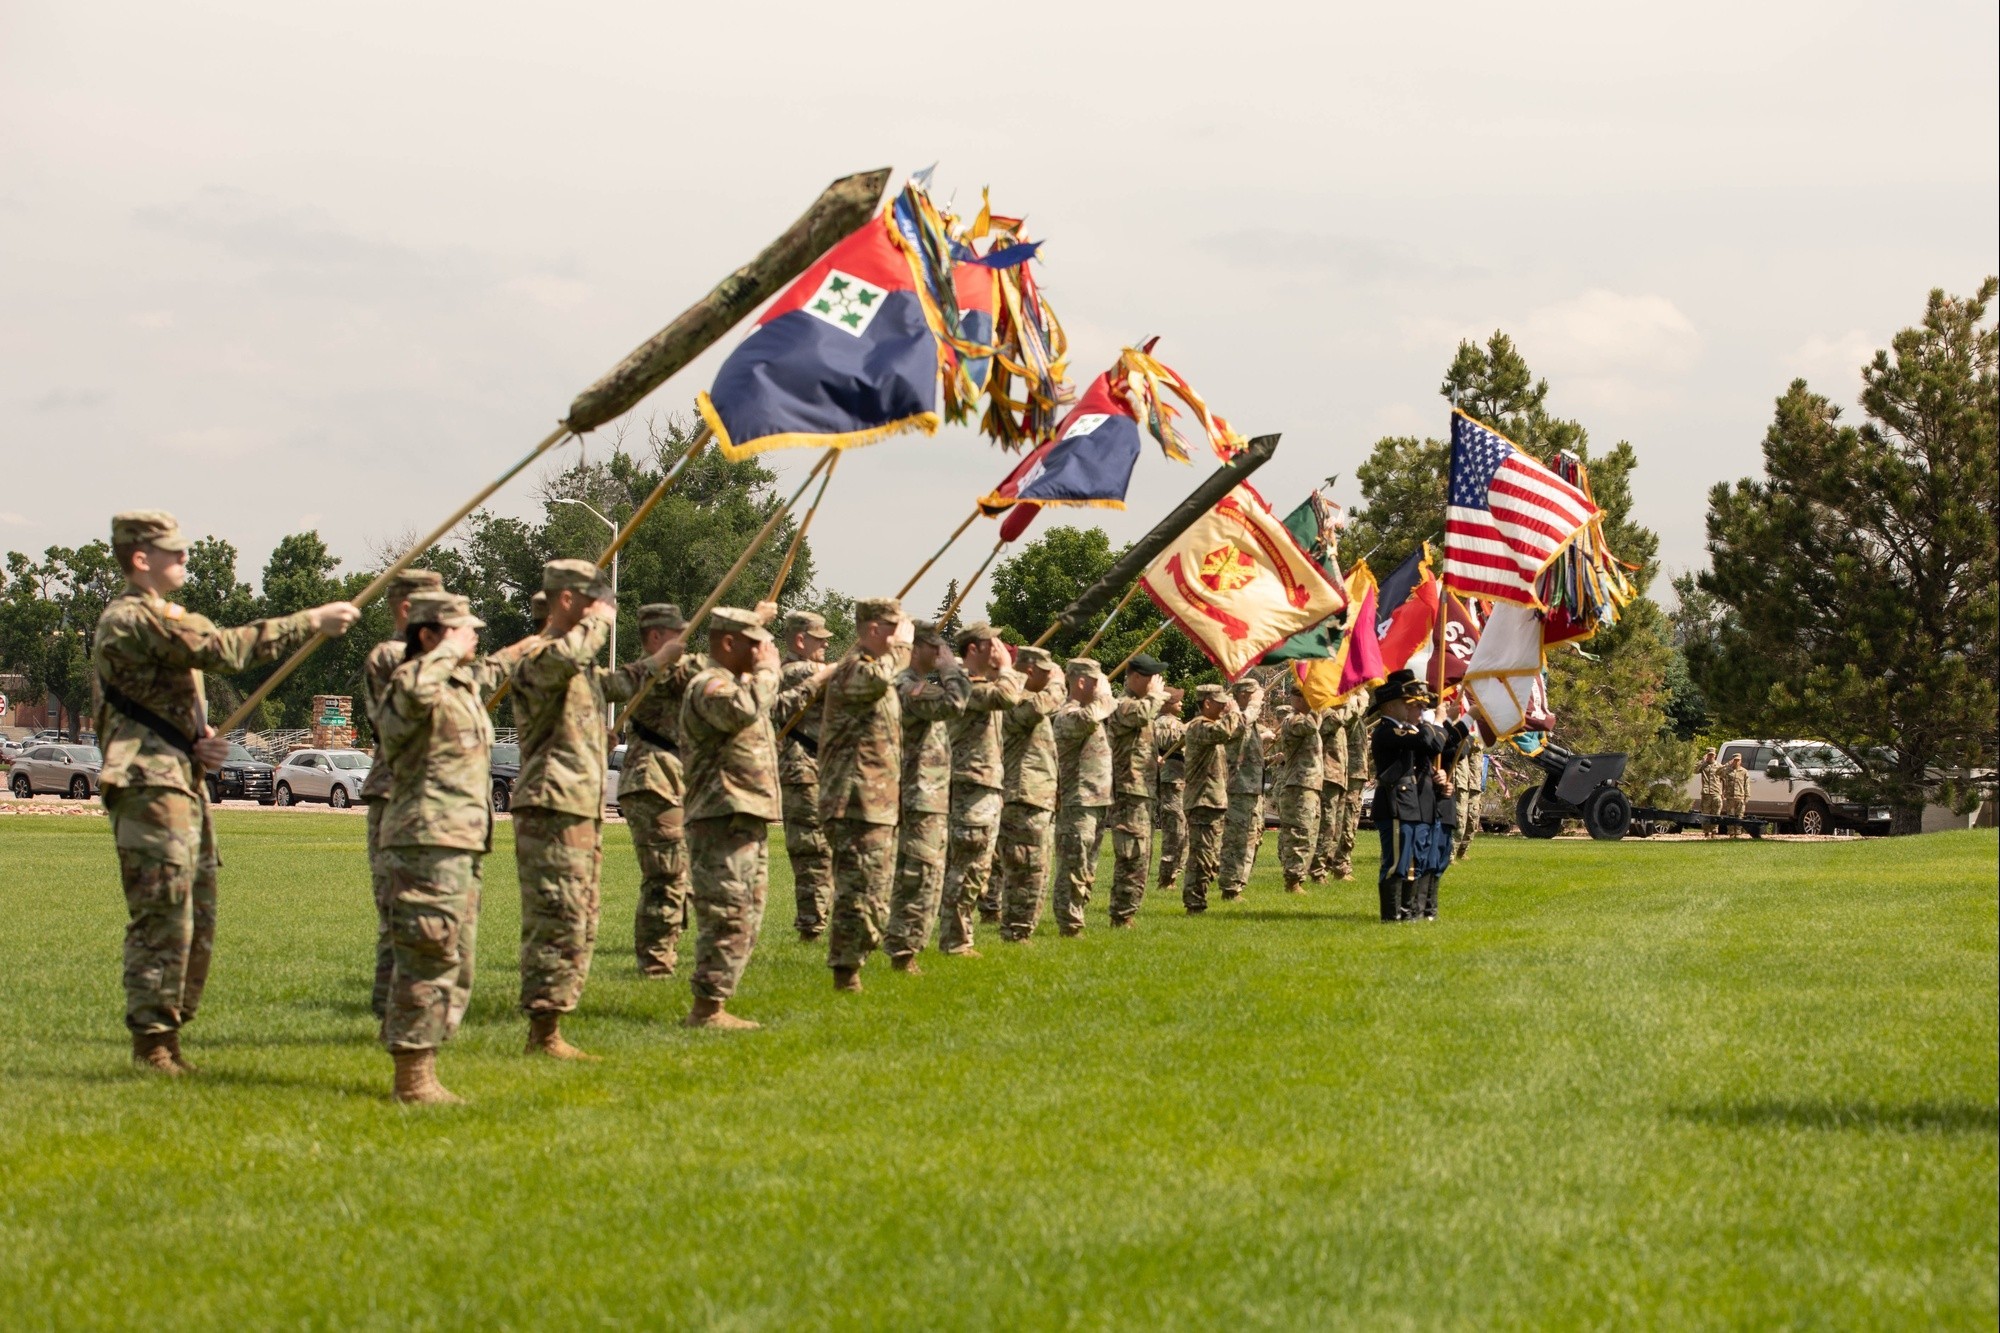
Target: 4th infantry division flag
{"points": [[1238, 583]]}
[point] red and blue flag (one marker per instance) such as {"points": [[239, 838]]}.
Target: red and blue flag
{"points": [[1089, 462]]}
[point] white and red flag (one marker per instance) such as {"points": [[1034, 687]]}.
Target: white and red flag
{"points": [[1506, 518]]}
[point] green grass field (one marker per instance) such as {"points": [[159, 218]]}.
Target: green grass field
{"points": [[1659, 1085]]}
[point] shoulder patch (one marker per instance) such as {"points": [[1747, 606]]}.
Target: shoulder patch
{"points": [[172, 610]]}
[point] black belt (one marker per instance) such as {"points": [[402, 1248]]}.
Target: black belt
{"points": [[651, 737], [146, 717]]}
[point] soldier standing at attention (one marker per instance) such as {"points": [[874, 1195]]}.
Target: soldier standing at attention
{"points": [[1735, 792], [860, 783], [559, 698], [1710, 773], [1135, 767], [652, 789], [152, 725], [933, 692], [1168, 733], [1028, 749], [731, 755], [978, 775], [376, 668], [805, 638], [1300, 779], [1206, 799], [1468, 780], [1083, 788], [436, 746], [1243, 826]]}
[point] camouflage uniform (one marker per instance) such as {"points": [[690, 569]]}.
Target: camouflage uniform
{"points": [[977, 776], [376, 668], [1134, 784], [560, 697], [1243, 825], [860, 794], [1344, 743], [651, 792], [1083, 797], [1029, 749], [1468, 781], [731, 754], [1167, 810], [798, 776], [435, 743], [1300, 781], [1206, 800], [152, 653], [1735, 795], [1710, 772], [930, 704]]}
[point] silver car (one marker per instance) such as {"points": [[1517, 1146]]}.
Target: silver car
{"points": [[67, 770], [333, 776]]}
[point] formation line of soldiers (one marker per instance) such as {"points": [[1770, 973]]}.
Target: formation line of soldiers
{"points": [[922, 786]]}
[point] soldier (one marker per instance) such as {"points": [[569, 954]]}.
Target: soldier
{"points": [[152, 725], [1135, 770], [538, 611], [376, 668], [1344, 743], [1406, 750], [1243, 826], [731, 756], [978, 775], [560, 697], [860, 788], [436, 745], [652, 789], [1468, 783], [1028, 748], [1710, 773], [1168, 732], [805, 638], [933, 691], [1300, 779], [1206, 799], [1083, 788], [1735, 792]]}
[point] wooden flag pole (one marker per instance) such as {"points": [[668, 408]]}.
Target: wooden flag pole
{"points": [[1148, 642], [925, 568], [799, 537], [381, 581], [966, 591], [1092, 642]]}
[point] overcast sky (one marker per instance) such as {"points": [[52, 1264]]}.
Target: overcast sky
{"points": [[333, 266]]}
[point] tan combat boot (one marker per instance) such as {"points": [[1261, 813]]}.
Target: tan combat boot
{"points": [[906, 963], [174, 1049], [545, 1038], [847, 979], [416, 1080], [1293, 886], [711, 1014], [151, 1053]]}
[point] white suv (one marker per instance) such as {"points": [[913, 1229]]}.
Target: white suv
{"points": [[1786, 786], [333, 776]]}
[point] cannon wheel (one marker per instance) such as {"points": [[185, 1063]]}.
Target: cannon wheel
{"points": [[1532, 819], [1608, 814]]}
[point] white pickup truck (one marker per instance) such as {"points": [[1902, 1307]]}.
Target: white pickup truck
{"points": [[1786, 780]]}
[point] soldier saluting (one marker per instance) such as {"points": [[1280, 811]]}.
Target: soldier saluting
{"points": [[1406, 750], [651, 792], [860, 783], [152, 724]]}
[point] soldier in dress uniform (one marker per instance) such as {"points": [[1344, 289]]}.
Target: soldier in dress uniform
{"points": [[933, 690], [1243, 825], [1028, 748], [1083, 788], [148, 654], [803, 636], [1135, 769], [860, 782], [376, 668], [1169, 732], [731, 756], [978, 780], [652, 791], [1300, 779], [1406, 750], [1206, 798]]}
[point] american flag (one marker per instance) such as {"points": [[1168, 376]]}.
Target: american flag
{"points": [[1506, 516]]}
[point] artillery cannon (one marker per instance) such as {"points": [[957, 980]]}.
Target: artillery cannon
{"points": [[1585, 787]]}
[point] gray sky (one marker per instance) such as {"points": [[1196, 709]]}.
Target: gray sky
{"points": [[281, 266]]}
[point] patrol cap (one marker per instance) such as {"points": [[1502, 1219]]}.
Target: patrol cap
{"points": [[661, 615], [735, 620], [409, 582], [977, 632], [147, 527], [1027, 655], [435, 606], [1084, 666], [806, 622], [574, 576], [1208, 691], [538, 606], [1247, 685], [1147, 664], [878, 608], [926, 631]]}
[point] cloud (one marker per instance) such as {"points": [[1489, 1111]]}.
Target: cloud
{"points": [[1832, 364], [1354, 258], [11, 519], [65, 400]]}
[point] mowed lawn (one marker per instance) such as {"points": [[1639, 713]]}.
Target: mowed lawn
{"points": [[1659, 1085]]}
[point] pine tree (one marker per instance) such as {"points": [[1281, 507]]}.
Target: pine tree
{"points": [[949, 621]]}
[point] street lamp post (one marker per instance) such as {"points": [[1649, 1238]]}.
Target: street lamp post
{"points": [[610, 709]]}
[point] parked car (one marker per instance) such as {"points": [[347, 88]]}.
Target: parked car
{"points": [[57, 736], [12, 750], [242, 777], [66, 770], [1789, 785], [333, 776], [506, 768]]}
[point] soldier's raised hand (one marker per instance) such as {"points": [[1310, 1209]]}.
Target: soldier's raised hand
{"points": [[766, 612], [334, 619], [211, 751]]}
